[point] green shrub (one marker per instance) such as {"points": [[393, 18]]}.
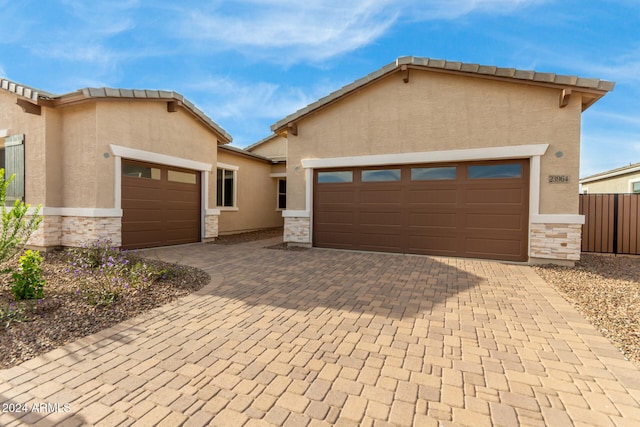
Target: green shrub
{"points": [[27, 282], [17, 225]]}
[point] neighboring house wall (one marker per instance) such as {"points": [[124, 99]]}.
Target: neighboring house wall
{"points": [[255, 206], [273, 147], [617, 184]]}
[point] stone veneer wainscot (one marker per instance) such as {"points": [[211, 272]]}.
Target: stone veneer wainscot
{"points": [[556, 241], [296, 230]]}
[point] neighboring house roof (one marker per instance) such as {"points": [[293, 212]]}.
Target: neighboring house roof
{"points": [[41, 98], [242, 152], [632, 168], [595, 87]]}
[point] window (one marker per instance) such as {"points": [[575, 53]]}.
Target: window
{"points": [[433, 173], [635, 187], [135, 170], [12, 161], [495, 171], [381, 175], [282, 194], [183, 177], [225, 187], [335, 177]]}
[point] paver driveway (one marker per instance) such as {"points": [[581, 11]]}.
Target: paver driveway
{"points": [[323, 337]]}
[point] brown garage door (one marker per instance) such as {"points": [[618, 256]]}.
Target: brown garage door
{"points": [[160, 204], [475, 209]]}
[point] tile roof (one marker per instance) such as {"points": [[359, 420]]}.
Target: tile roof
{"points": [[22, 90], [36, 96], [523, 76]]}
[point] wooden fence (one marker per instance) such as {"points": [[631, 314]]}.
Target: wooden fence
{"points": [[612, 223]]}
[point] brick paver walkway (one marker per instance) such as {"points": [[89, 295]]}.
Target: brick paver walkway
{"points": [[323, 337]]}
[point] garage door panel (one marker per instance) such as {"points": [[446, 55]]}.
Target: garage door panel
{"points": [[142, 226], [495, 221], [378, 242], [432, 197], [495, 196], [335, 239], [433, 219], [387, 196], [181, 197], [139, 215], [335, 197], [434, 244], [374, 218], [508, 249]]}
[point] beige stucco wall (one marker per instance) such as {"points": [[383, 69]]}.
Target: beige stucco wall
{"points": [[279, 168], [618, 184], [256, 196], [148, 126], [273, 148], [16, 121], [437, 111]]}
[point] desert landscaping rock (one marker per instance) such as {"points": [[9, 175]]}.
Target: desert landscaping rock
{"points": [[606, 290]]}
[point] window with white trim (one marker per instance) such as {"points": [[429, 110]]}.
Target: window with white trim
{"points": [[226, 181], [282, 193], [635, 187]]}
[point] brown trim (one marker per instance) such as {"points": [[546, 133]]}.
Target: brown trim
{"points": [[29, 107]]}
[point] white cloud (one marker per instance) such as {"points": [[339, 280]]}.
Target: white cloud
{"points": [[261, 100], [450, 9], [290, 30]]}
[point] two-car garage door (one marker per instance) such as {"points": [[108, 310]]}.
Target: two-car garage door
{"points": [[160, 205], [471, 209]]}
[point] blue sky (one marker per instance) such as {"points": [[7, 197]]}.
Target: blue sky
{"points": [[249, 63]]}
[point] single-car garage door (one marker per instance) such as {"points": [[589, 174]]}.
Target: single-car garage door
{"points": [[160, 204], [472, 209]]}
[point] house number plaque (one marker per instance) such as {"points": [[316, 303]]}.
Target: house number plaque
{"points": [[559, 179]]}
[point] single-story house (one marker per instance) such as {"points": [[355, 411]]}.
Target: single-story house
{"points": [[620, 180], [444, 158], [139, 167]]}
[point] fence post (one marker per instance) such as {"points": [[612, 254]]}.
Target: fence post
{"points": [[615, 224]]}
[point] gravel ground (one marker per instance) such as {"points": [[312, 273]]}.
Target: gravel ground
{"points": [[606, 290], [62, 316], [233, 239]]}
